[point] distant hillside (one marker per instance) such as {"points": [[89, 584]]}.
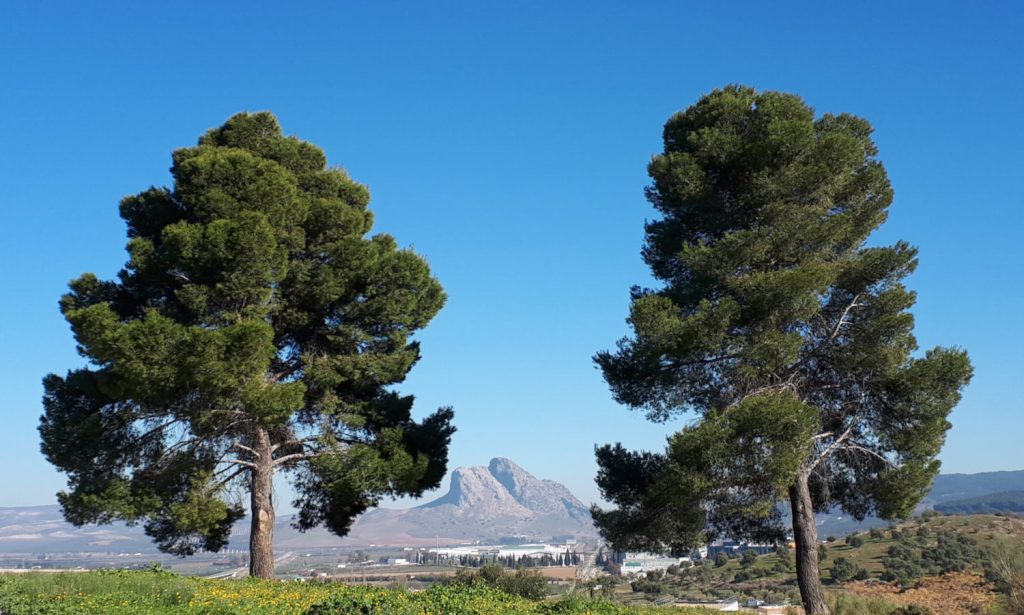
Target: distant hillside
{"points": [[1002, 502], [483, 503], [949, 487]]}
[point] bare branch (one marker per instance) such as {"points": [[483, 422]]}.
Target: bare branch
{"points": [[242, 447], [853, 446], [231, 477], [247, 464], [294, 457], [835, 444], [842, 317], [293, 441]]}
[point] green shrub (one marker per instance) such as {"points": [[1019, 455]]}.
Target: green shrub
{"points": [[144, 593], [843, 570]]}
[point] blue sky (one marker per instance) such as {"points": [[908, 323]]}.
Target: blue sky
{"points": [[507, 143]]}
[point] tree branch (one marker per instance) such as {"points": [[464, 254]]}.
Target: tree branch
{"points": [[294, 457], [231, 477], [853, 446], [842, 317], [293, 441], [247, 464], [242, 447], [832, 447]]}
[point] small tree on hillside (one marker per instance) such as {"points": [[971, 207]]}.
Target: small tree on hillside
{"points": [[255, 329], [788, 337]]}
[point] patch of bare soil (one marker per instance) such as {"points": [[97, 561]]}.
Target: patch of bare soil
{"points": [[955, 593]]}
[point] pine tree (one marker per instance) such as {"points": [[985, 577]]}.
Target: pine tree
{"points": [[785, 334], [254, 329]]}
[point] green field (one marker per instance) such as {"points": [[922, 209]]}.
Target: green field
{"points": [[161, 593]]}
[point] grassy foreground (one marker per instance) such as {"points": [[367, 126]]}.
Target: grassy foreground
{"points": [[161, 593]]}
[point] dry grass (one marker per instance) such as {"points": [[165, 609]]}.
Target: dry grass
{"points": [[953, 594]]}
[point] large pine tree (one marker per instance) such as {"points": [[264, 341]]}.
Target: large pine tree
{"points": [[255, 328], [786, 335]]}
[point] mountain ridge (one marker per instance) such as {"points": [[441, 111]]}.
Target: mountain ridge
{"points": [[482, 502]]}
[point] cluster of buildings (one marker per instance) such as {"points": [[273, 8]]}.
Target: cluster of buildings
{"points": [[640, 563], [534, 551]]}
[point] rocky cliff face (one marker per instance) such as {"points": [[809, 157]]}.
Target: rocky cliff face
{"points": [[483, 503], [539, 496]]}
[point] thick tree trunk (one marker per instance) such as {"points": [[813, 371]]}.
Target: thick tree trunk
{"points": [[261, 536], [805, 533]]}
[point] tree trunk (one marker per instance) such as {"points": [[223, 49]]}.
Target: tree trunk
{"points": [[261, 536], [805, 533]]}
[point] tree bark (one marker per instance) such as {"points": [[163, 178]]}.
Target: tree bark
{"points": [[261, 536], [805, 533]]}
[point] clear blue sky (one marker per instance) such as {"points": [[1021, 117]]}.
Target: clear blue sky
{"points": [[507, 142]]}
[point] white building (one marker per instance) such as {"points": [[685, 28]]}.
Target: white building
{"points": [[639, 563]]}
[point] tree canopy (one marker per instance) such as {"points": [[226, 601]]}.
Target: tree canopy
{"points": [[255, 327], [778, 326]]}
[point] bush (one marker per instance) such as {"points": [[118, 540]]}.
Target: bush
{"points": [[843, 570], [749, 558], [525, 584], [721, 559], [876, 533], [854, 540], [953, 553], [901, 565], [646, 586], [1005, 570]]}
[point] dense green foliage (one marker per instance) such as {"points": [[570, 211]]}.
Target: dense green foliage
{"points": [[256, 327], [775, 323], [140, 593], [847, 570], [913, 557], [523, 583]]}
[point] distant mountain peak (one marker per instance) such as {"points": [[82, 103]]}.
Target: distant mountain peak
{"points": [[487, 502]]}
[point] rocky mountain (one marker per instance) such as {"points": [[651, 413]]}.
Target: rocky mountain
{"points": [[489, 503], [501, 500]]}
